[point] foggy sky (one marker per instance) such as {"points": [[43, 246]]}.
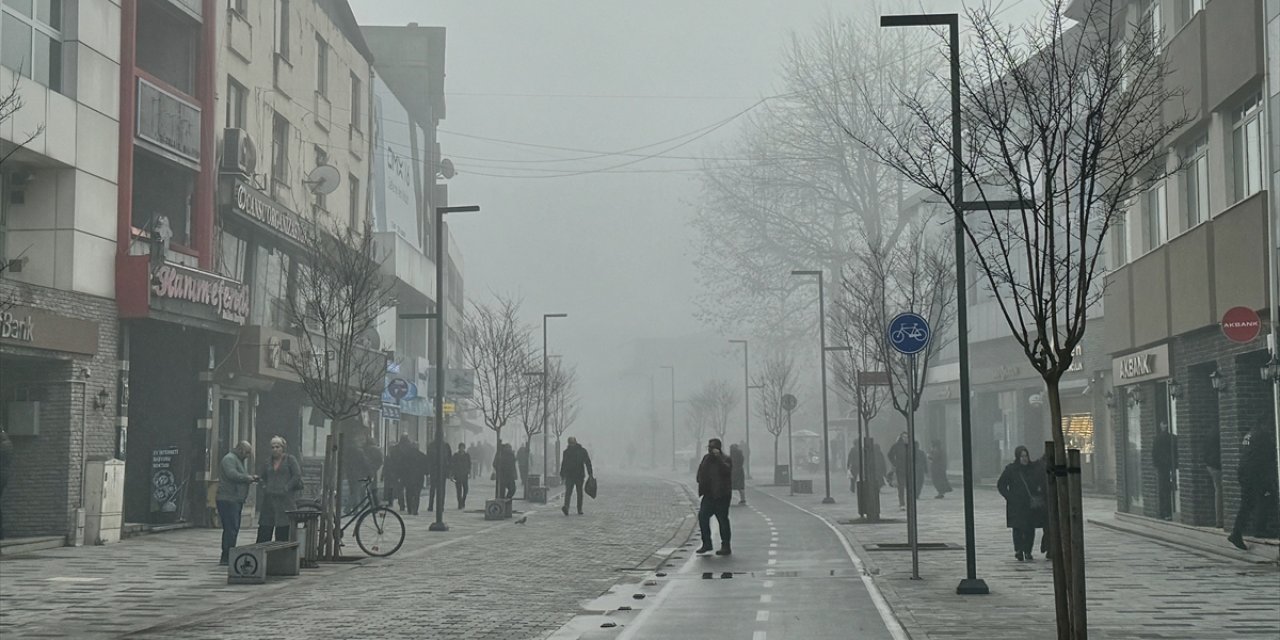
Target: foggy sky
{"points": [[611, 249]]}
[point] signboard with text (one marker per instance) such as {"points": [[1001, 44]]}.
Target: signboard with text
{"points": [[397, 167]]}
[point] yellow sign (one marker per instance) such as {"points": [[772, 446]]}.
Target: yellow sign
{"points": [[448, 408]]}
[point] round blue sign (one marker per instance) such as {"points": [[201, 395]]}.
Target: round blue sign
{"points": [[908, 333]]}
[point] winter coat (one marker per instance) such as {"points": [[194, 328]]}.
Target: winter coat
{"points": [[1018, 484], [460, 465], [399, 463], [278, 491], [715, 476], [233, 479], [412, 467], [504, 464], [739, 469], [898, 458], [1164, 453], [1257, 461], [432, 459], [875, 465], [938, 471], [575, 464], [354, 464], [522, 461]]}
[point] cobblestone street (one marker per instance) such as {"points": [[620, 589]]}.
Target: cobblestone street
{"points": [[479, 580], [1137, 588]]}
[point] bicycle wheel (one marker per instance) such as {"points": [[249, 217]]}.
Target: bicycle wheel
{"points": [[380, 532]]}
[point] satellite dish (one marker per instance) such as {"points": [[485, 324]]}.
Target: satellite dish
{"points": [[323, 180], [446, 169]]}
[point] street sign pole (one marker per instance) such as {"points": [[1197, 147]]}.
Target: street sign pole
{"points": [[909, 335], [791, 460]]}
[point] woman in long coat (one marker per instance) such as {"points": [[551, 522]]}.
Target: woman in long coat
{"points": [[1022, 485], [281, 480], [739, 472], [938, 469]]}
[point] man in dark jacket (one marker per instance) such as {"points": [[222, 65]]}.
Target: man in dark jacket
{"points": [[522, 463], [575, 468], [1257, 476], [504, 468], [898, 458], [398, 460], [715, 485], [412, 473], [432, 464], [460, 469]]}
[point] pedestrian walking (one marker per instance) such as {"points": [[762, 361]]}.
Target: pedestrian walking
{"points": [[739, 473], [1258, 487], [473, 453], [233, 489], [875, 475], [281, 480], [434, 473], [399, 461], [938, 469], [504, 471], [715, 486], [522, 463], [460, 469], [898, 458], [1164, 456], [6, 470], [575, 468], [355, 468], [413, 476], [1022, 485]]}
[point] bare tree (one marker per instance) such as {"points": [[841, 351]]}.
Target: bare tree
{"points": [[563, 400], [698, 417], [777, 379], [850, 369], [1070, 118], [340, 295], [721, 399], [495, 345], [795, 189], [915, 274]]}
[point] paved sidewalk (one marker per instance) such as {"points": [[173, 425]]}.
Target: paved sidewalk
{"points": [[1137, 588], [479, 580]]}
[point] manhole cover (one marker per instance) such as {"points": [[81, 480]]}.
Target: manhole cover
{"points": [[903, 546]]}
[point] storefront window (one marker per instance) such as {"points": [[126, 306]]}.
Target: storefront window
{"points": [[1133, 456], [1078, 429], [271, 288], [231, 256]]}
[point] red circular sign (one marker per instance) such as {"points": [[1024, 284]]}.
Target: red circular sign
{"points": [[1241, 324]]}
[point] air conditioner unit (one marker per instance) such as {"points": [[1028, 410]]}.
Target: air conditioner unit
{"points": [[239, 154]]}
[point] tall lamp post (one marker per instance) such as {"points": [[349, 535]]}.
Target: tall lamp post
{"points": [[545, 317], [822, 343], [674, 466], [441, 360], [746, 401]]}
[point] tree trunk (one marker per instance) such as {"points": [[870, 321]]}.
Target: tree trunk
{"points": [[775, 456], [1063, 613], [1079, 612], [1071, 563], [497, 471]]}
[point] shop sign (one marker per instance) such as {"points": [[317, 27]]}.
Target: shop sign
{"points": [[1150, 364], [168, 121], [165, 488], [30, 327], [249, 202], [228, 299], [1241, 324]]}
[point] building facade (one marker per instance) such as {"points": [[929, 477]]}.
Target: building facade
{"points": [[1192, 248], [58, 334]]}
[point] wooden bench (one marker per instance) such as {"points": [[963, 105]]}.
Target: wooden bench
{"points": [[251, 564]]}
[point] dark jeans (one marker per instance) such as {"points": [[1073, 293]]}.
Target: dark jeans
{"points": [[413, 498], [431, 493], [1164, 493], [1253, 504], [570, 485], [1024, 539], [229, 518], [718, 507], [508, 488], [464, 487], [265, 531]]}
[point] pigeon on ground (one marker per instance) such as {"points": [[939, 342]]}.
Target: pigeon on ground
{"points": [[522, 520]]}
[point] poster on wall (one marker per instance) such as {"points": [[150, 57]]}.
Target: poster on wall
{"points": [[166, 488], [397, 157]]}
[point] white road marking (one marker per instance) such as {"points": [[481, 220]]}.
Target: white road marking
{"points": [[762, 616], [766, 598], [773, 545], [773, 561], [891, 623], [769, 572], [759, 635], [768, 584], [773, 552]]}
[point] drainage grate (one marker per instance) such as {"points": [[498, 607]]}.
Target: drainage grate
{"points": [[866, 521], [903, 546]]}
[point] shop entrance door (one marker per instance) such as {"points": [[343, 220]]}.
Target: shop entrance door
{"points": [[233, 423], [1167, 413], [1132, 452]]}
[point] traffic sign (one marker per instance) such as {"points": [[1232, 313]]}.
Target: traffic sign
{"points": [[788, 402], [909, 333], [1241, 324]]}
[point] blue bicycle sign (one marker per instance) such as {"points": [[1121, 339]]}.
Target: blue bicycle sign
{"points": [[909, 333]]}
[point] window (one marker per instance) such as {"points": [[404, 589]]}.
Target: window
{"points": [[280, 152], [241, 7], [355, 102], [1153, 23], [1120, 240], [1154, 217], [322, 67], [232, 251], [237, 101], [322, 158], [1187, 9], [31, 40], [354, 205], [271, 288], [282, 30], [1196, 183], [163, 192], [1246, 148]]}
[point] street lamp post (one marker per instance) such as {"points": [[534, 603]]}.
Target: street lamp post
{"points": [[674, 466], [441, 360], [822, 343], [746, 402], [545, 316]]}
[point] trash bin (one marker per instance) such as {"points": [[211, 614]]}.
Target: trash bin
{"points": [[782, 475], [310, 542]]}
